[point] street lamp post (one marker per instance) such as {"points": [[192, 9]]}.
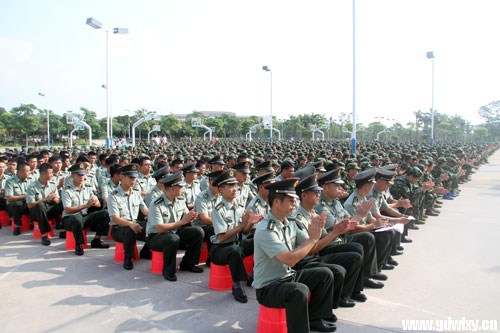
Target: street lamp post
{"points": [[267, 69], [430, 55], [98, 25], [353, 133], [48, 128]]}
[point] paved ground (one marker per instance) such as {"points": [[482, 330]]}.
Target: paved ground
{"points": [[450, 270]]}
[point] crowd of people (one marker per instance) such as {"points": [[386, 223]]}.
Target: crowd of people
{"points": [[322, 223]]}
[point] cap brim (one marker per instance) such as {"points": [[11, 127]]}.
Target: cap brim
{"points": [[82, 172], [338, 181], [244, 170], [131, 174]]}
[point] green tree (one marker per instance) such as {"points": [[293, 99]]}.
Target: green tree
{"points": [[27, 121]]}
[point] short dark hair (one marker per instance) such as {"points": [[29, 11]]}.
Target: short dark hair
{"points": [[64, 158], [54, 158], [102, 157], [30, 157], [144, 158], [275, 196], [21, 165], [44, 167], [114, 169]]}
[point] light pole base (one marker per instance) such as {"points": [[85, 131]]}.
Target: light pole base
{"points": [[353, 146], [432, 142], [108, 142]]}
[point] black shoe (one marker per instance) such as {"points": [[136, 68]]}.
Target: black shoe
{"points": [[413, 227], [397, 253], [208, 261], [439, 202], [346, 303], [62, 235], [240, 295], [431, 213], [127, 263], [379, 276], [370, 283], [98, 244], [145, 253], [321, 325], [17, 231], [170, 276], [250, 280], [392, 262], [78, 250], [419, 222], [400, 248], [387, 267], [359, 296], [191, 268], [58, 225], [45, 241], [332, 319], [405, 239]]}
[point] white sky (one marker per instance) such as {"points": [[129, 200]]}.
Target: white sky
{"points": [[187, 55]]}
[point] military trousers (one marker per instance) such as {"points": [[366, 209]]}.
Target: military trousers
{"points": [[189, 238], [209, 232], [42, 212], [350, 257], [292, 294], [127, 236], [97, 221], [368, 242], [16, 209], [384, 243], [338, 272], [232, 255], [3, 204]]}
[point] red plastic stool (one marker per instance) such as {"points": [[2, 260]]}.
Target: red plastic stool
{"points": [[204, 252], [157, 262], [70, 240], [248, 262], [120, 252], [4, 218], [36, 231], [220, 277], [272, 320], [25, 222], [111, 236], [52, 225]]}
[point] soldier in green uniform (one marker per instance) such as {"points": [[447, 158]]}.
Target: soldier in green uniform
{"points": [[349, 185], [77, 201], [192, 188], [15, 195], [329, 203], [145, 181], [42, 199], [168, 228], [124, 204], [262, 168], [287, 170], [230, 221], [259, 203], [156, 190], [57, 174], [104, 174], [3, 180], [244, 194], [203, 205], [365, 181], [216, 163], [11, 167], [277, 284], [111, 184], [32, 162]]}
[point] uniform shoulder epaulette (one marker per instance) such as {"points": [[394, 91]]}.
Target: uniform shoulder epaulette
{"points": [[355, 201], [257, 203], [323, 202], [67, 187], [135, 189], [298, 217], [114, 192], [205, 195], [158, 200], [270, 225], [315, 211], [88, 185], [219, 206], [180, 198]]}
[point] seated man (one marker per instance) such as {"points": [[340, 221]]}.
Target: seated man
{"points": [[156, 190], [229, 222], [124, 203], [277, 284], [77, 201], [15, 194], [3, 180], [167, 228], [42, 198]]}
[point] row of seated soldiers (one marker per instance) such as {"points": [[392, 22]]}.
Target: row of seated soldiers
{"points": [[294, 223]]}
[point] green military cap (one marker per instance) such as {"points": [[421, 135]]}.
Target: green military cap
{"points": [[131, 170], [216, 160], [264, 179], [213, 175], [242, 167], [78, 168], [286, 186], [319, 166], [416, 172], [160, 173], [374, 157], [390, 167], [174, 179], [386, 174], [424, 162], [367, 176], [226, 177], [332, 176], [266, 165], [304, 172], [190, 167], [352, 165], [310, 183], [365, 165], [441, 160]]}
